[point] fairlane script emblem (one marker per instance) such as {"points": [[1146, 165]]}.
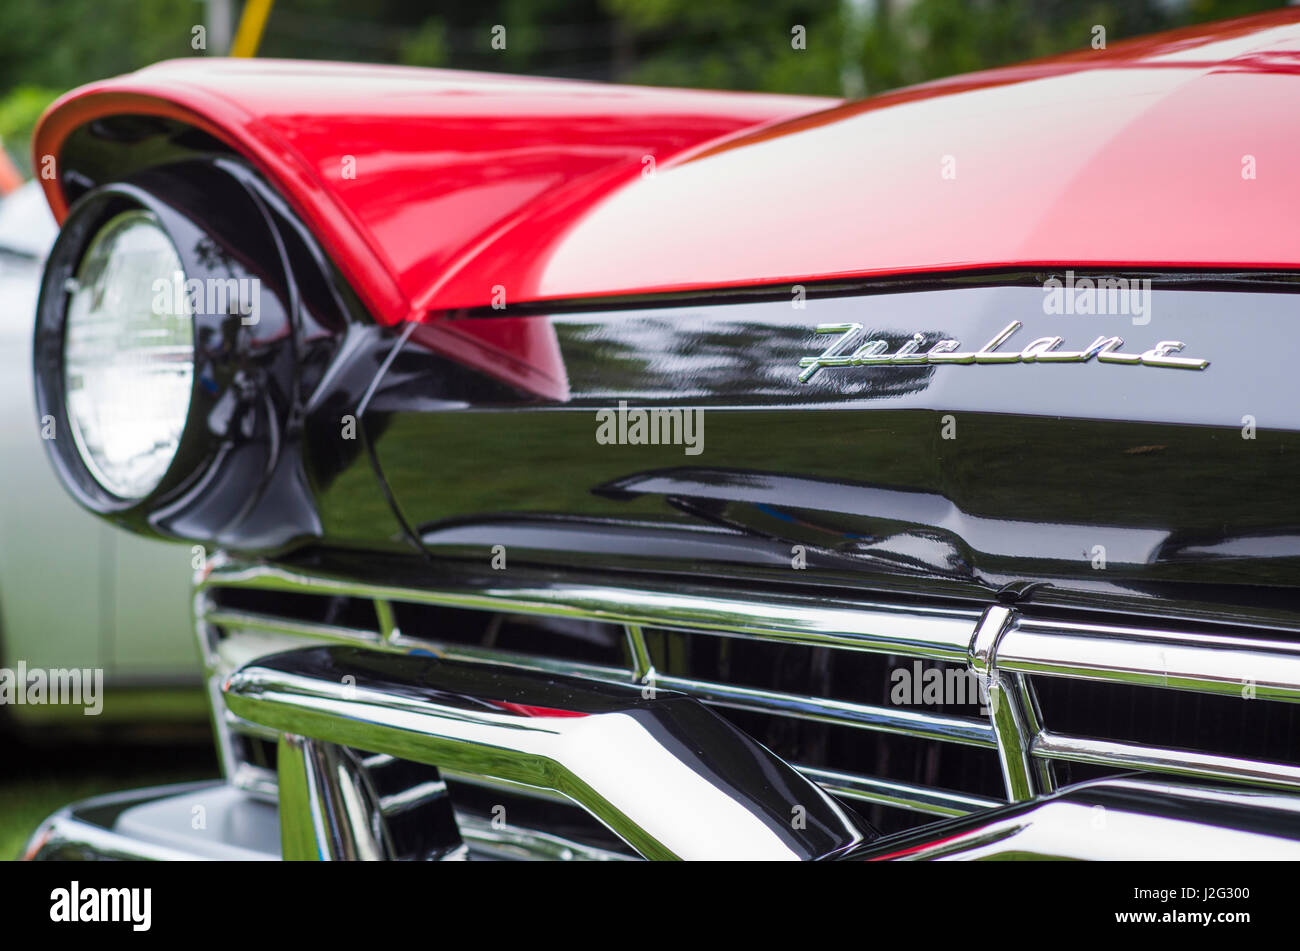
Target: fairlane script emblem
{"points": [[1042, 350]]}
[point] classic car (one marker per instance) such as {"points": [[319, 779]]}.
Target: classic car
{"points": [[596, 472], [128, 618]]}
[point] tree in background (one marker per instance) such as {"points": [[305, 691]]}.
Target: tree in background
{"points": [[857, 47], [849, 47]]}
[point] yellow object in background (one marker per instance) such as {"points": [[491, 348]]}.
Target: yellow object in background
{"points": [[251, 24]]}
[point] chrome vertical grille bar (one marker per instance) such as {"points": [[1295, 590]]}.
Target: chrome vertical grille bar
{"points": [[1003, 695]]}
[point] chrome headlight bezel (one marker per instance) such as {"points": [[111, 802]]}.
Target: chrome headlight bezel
{"points": [[243, 371]]}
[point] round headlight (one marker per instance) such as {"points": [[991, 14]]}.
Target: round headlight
{"points": [[128, 354]]}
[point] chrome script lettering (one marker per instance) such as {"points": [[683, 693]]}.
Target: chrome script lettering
{"points": [[1105, 349]]}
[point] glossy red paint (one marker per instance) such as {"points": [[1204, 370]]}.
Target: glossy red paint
{"points": [[1134, 157], [528, 710], [522, 351], [1131, 156], [406, 173]]}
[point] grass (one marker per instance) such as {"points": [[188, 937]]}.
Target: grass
{"points": [[45, 777]]}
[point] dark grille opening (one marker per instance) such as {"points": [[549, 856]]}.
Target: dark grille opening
{"points": [[825, 672], [1067, 773], [904, 759], [444, 625], [889, 819], [1175, 719], [255, 751], [334, 610], [557, 638]]}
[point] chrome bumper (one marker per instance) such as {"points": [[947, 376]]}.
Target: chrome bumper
{"points": [[1106, 820], [661, 770], [185, 822], [666, 774]]}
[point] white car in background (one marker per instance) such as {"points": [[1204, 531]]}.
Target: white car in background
{"points": [[76, 592]]}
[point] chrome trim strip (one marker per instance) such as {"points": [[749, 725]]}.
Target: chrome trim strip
{"points": [[1115, 819], [885, 719], [933, 726], [512, 659], [518, 789], [63, 837], [940, 633], [1153, 658], [514, 843], [668, 776], [884, 792], [256, 781], [244, 728], [72, 833], [412, 798], [274, 624], [1145, 656], [1108, 819], [81, 831], [1179, 762]]}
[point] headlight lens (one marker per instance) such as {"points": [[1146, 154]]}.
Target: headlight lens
{"points": [[128, 355]]}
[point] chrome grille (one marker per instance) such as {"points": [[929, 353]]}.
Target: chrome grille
{"points": [[943, 760]]}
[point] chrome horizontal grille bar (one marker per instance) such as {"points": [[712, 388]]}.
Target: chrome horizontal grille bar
{"points": [[872, 626], [935, 802], [886, 719], [520, 844], [930, 726], [1153, 658], [272, 624], [1179, 762]]}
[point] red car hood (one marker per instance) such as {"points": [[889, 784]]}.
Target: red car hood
{"points": [[436, 190], [407, 175]]}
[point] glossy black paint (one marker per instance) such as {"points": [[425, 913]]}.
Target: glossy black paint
{"points": [[1052, 467], [1049, 461]]}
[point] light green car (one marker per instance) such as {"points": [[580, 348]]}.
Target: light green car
{"points": [[75, 592]]}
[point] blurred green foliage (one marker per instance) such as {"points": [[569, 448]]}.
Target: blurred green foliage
{"points": [[849, 46], [19, 110]]}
